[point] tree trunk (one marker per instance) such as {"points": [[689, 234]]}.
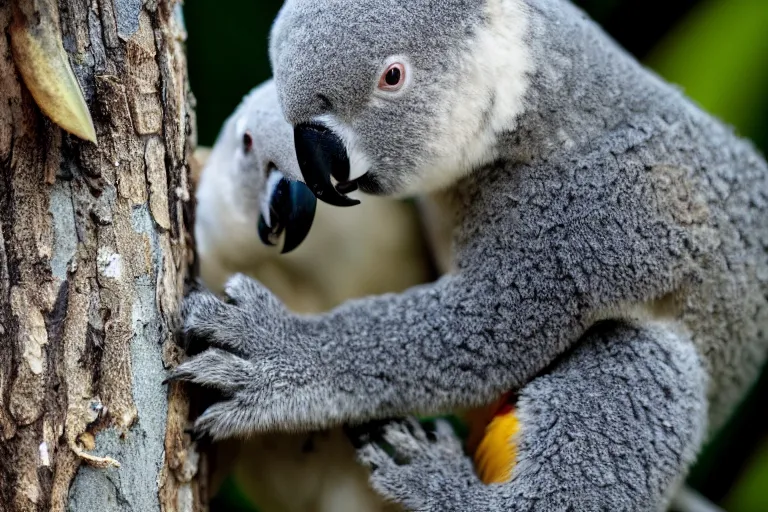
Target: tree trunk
{"points": [[94, 251]]}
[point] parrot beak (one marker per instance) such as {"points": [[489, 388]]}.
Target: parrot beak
{"points": [[322, 155], [289, 207]]}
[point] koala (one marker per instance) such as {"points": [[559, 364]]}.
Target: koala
{"points": [[595, 212], [246, 222]]}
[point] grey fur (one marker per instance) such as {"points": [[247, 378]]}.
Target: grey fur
{"points": [[313, 76], [343, 257], [610, 197], [606, 429]]}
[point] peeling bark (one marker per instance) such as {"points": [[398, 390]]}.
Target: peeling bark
{"points": [[94, 250]]}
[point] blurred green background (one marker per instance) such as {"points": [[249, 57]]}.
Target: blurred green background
{"points": [[717, 50]]}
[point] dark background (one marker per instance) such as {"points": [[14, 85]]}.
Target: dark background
{"points": [[717, 50]]}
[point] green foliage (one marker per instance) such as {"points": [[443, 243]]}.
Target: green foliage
{"points": [[230, 498], [751, 492], [719, 54]]}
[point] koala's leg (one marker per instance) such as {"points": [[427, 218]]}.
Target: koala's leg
{"points": [[614, 425]]}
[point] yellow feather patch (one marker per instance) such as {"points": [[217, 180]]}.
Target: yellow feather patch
{"points": [[497, 452], [491, 440]]}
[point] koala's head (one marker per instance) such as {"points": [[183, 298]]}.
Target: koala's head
{"points": [[398, 96], [252, 177]]}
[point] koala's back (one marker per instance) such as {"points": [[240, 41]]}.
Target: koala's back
{"points": [[713, 187], [728, 311], [709, 189], [667, 211], [691, 199]]}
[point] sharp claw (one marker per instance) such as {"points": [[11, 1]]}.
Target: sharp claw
{"points": [[193, 286], [44, 67], [181, 373], [358, 435], [196, 436], [173, 376], [368, 433]]}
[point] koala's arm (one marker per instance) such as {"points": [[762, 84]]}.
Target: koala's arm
{"points": [[528, 284], [457, 342], [615, 425], [453, 343]]}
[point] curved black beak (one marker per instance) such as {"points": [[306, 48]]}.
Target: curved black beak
{"points": [[291, 210], [321, 154]]}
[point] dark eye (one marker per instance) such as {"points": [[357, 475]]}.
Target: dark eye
{"points": [[247, 142], [393, 78]]}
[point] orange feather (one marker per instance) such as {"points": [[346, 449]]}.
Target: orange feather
{"points": [[492, 435]]}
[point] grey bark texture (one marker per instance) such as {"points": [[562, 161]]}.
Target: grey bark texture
{"points": [[94, 250]]}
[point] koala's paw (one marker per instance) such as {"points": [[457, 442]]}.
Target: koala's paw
{"points": [[247, 349], [426, 470], [245, 322]]}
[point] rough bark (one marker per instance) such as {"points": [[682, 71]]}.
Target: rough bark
{"points": [[93, 257]]}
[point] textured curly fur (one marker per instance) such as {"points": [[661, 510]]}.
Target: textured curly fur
{"points": [[599, 194], [376, 250]]}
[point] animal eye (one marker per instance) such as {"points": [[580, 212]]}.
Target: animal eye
{"points": [[247, 142], [393, 78]]}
